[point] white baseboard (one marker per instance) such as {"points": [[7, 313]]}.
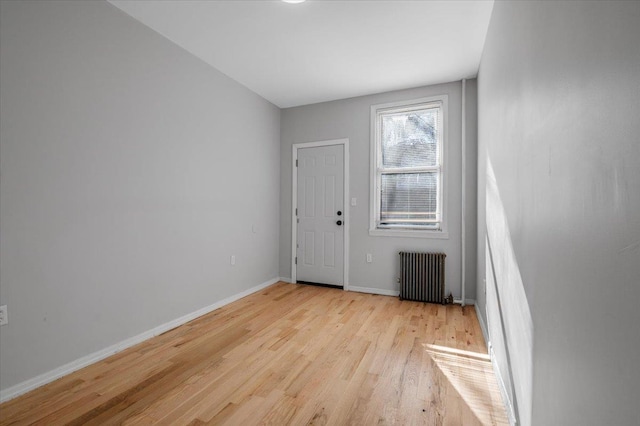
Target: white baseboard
{"points": [[503, 389], [372, 290], [285, 279], [79, 363], [466, 301], [483, 327]]}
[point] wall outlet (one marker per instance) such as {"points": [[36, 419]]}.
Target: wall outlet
{"points": [[233, 260], [4, 315], [369, 258]]}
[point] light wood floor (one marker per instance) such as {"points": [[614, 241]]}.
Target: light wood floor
{"points": [[290, 354]]}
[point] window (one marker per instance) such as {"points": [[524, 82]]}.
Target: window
{"points": [[407, 147]]}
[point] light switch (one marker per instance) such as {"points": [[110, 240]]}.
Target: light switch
{"points": [[354, 201]]}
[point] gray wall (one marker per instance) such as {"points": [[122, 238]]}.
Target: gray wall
{"points": [[131, 171], [559, 103], [350, 118]]}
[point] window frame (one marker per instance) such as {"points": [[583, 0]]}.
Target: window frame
{"points": [[377, 111]]}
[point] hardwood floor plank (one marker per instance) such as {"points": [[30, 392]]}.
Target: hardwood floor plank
{"points": [[289, 354]]}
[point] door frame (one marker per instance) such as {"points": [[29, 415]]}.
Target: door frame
{"points": [[294, 203]]}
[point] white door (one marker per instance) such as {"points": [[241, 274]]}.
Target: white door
{"points": [[320, 233]]}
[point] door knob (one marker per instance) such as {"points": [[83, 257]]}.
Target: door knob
{"points": [[339, 223], [339, 213]]}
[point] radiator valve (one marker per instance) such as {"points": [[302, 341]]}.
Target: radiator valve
{"points": [[449, 299]]}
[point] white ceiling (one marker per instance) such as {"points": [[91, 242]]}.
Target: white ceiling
{"points": [[297, 54]]}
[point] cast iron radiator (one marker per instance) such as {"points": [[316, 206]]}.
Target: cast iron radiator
{"points": [[422, 277]]}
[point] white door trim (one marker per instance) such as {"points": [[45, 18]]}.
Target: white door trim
{"points": [[294, 203]]}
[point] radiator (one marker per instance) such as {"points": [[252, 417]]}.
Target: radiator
{"points": [[422, 277]]}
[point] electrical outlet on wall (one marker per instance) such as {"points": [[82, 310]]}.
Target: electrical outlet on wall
{"points": [[369, 258], [4, 315]]}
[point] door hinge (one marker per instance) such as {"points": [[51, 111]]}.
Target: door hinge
{"points": [[296, 211], [296, 261], [296, 163]]}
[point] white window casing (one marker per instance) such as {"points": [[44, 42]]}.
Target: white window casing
{"points": [[421, 167]]}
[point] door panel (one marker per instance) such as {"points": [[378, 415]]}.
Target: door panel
{"points": [[320, 241], [329, 249], [309, 248]]}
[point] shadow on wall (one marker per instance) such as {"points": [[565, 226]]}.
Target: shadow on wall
{"points": [[508, 316]]}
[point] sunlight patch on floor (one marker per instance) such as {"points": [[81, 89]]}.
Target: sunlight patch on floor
{"points": [[471, 375]]}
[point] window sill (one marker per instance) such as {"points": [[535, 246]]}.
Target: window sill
{"points": [[436, 235]]}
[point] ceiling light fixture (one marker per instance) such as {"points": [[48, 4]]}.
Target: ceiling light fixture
{"points": [[293, 1]]}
